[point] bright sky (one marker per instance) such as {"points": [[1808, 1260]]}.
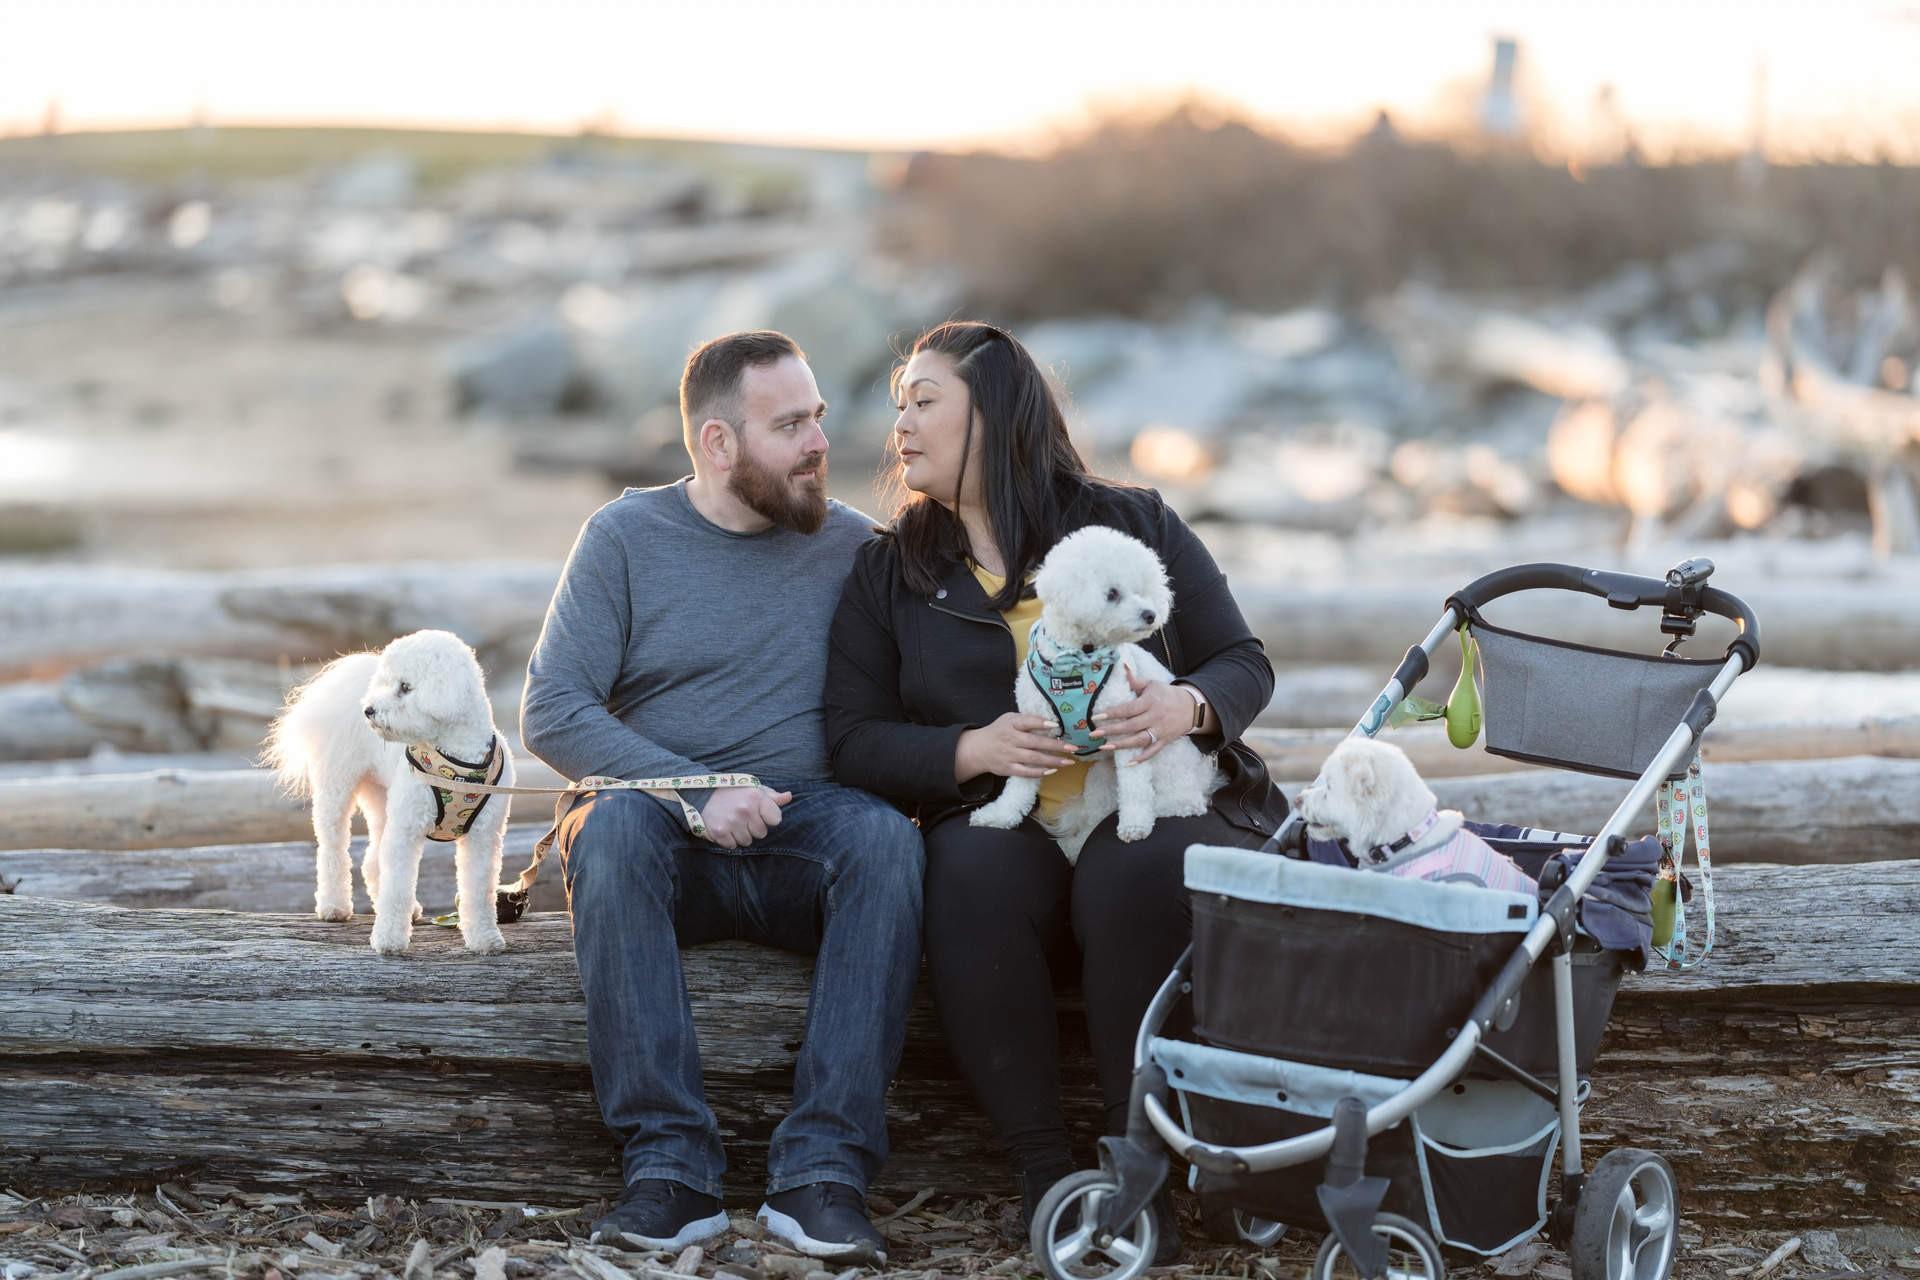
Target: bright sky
{"points": [[1838, 74]]}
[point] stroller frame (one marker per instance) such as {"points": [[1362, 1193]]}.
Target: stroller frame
{"points": [[1138, 1168]]}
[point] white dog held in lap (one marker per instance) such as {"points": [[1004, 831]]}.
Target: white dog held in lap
{"points": [[1101, 593], [375, 730], [1370, 795]]}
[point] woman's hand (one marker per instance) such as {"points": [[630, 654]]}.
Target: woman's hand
{"points": [[1014, 746], [1158, 714]]}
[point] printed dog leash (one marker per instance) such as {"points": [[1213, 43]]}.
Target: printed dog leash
{"points": [[512, 898], [712, 781], [1682, 804]]}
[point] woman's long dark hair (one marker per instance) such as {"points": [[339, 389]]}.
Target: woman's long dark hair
{"points": [[1032, 476]]}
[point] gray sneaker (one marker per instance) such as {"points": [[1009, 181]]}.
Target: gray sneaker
{"points": [[825, 1220]]}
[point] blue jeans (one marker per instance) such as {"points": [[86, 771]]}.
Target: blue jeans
{"points": [[839, 878]]}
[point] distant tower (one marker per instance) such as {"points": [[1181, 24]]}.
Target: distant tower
{"points": [[1499, 108]]}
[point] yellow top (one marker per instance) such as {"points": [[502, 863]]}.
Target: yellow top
{"points": [[1056, 789]]}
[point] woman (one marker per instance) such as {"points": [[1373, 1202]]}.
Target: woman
{"points": [[930, 631]]}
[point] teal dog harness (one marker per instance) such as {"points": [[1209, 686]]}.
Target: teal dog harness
{"points": [[1071, 681]]}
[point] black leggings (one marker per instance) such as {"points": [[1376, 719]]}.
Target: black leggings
{"points": [[1001, 906]]}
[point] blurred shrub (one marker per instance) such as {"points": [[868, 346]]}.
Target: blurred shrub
{"points": [[1137, 217]]}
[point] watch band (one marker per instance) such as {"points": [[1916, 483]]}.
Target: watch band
{"points": [[1199, 707]]}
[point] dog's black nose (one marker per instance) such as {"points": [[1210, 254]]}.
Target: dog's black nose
{"points": [[1146, 616], [369, 711]]}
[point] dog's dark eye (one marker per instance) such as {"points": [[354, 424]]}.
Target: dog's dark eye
{"points": [[1113, 595], [405, 687]]}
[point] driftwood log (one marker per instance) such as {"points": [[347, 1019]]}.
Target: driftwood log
{"points": [[1821, 625], [1298, 753], [54, 621], [156, 705], [110, 761], [176, 808], [162, 705], [1782, 1079], [275, 877], [1851, 809]]}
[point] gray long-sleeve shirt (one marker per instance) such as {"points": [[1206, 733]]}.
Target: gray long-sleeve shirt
{"points": [[674, 646]]}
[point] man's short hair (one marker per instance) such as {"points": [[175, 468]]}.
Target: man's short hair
{"points": [[710, 385]]}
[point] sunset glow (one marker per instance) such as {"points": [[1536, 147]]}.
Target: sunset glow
{"points": [[1834, 79]]}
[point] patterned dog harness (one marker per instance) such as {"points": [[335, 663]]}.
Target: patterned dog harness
{"points": [[1071, 682], [454, 811], [1463, 858]]}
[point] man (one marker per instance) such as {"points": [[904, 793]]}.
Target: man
{"points": [[688, 636]]}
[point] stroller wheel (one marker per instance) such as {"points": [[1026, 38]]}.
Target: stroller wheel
{"points": [[1063, 1239], [1627, 1223], [1237, 1226], [1412, 1254]]}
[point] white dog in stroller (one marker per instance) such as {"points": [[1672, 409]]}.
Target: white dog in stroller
{"points": [[1370, 795], [1102, 593]]}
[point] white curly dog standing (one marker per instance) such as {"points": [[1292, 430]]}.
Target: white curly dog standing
{"points": [[376, 730], [1101, 592]]}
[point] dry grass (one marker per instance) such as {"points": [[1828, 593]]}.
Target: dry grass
{"points": [[440, 156]]}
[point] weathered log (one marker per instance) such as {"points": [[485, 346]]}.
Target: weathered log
{"points": [[142, 704], [162, 705], [277, 1051], [54, 620], [1856, 809], [1293, 751], [109, 760], [1297, 753], [35, 724], [1451, 338], [1852, 809], [277, 878], [1869, 626], [182, 807]]}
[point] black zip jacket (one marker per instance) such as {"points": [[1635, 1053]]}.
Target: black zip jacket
{"points": [[907, 674]]}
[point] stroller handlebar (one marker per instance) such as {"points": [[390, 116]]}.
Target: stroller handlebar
{"points": [[1621, 590]]}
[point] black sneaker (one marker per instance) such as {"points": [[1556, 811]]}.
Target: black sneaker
{"points": [[659, 1213], [825, 1220], [1034, 1183]]}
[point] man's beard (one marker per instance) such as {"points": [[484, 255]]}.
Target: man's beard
{"points": [[772, 495]]}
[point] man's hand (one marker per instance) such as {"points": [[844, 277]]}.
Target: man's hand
{"points": [[737, 816]]}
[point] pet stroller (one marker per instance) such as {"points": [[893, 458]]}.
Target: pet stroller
{"points": [[1381, 1055]]}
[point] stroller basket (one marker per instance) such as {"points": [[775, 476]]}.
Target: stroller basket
{"points": [[1473, 1163], [1593, 710], [1365, 972]]}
